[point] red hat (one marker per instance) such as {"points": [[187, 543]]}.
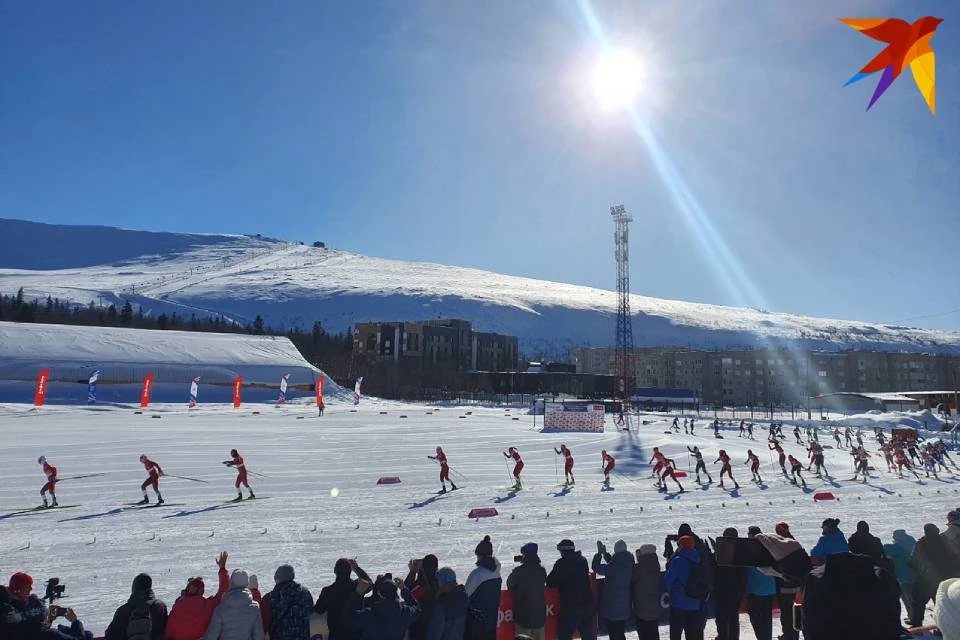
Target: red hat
{"points": [[782, 529], [686, 542], [194, 587], [21, 582]]}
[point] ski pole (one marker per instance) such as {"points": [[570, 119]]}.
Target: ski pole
{"points": [[556, 472], [506, 465], [259, 475], [170, 475], [86, 475]]}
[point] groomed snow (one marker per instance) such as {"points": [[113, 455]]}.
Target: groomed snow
{"points": [[290, 284], [72, 353], [97, 547]]}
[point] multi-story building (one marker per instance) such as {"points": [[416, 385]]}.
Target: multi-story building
{"points": [[450, 344], [778, 376]]}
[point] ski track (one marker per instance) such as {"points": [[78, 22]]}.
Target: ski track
{"points": [[98, 547]]}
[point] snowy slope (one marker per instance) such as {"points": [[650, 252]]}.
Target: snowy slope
{"points": [[72, 353], [290, 284], [97, 547]]}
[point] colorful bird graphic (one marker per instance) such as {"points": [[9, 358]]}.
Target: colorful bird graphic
{"points": [[906, 44]]}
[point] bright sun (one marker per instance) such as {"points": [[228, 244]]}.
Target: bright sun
{"points": [[616, 79]]}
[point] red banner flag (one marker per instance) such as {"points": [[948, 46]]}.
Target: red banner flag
{"points": [[40, 395], [145, 391], [319, 386], [237, 383]]}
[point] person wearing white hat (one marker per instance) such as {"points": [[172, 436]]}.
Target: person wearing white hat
{"points": [[238, 615]]}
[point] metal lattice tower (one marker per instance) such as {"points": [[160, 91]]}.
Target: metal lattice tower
{"points": [[624, 370]]}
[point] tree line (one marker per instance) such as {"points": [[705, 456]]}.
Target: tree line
{"points": [[330, 352]]}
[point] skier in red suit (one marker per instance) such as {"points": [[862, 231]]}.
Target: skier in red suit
{"points": [[567, 463], [775, 445], [236, 460], [754, 463], [608, 464], [512, 452], [725, 468], [153, 479], [657, 458], [51, 485], [441, 457], [669, 471]]}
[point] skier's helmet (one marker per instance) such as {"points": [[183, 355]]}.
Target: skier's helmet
{"points": [[143, 457], [233, 452], [656, 449], [604, 452], [41, 459], [722, 452], [439, 450]]}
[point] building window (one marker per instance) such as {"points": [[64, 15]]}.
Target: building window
{"points": [[822, 373]]}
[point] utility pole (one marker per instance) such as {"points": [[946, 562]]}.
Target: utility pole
{"points": [[624, 368]]}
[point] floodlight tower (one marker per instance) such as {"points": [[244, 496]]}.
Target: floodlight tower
{"points": [[624, 370]]}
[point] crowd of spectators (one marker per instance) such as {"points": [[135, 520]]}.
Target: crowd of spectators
{"points": [[843, 588]]}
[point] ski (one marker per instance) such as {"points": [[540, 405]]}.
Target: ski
{"points": [[41, 508], [235, 501]]}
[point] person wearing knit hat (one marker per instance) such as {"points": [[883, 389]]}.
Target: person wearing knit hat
{"points": [[191, 613], [483, 587], [783, 530], [617, 570], [238, 615], [686, 616], [450, 611], [385, 616], [865, 543], [141, 595], [290, 606], [832, 541], [932, 562], [570, 577], [527, 582], [951, 535], [645, 587], [946, 608]]}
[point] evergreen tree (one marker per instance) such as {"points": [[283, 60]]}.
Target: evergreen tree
{"points": [[126, 314], [258, 328], [19, 301]]}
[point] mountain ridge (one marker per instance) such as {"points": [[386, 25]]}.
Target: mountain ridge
{"points": [[290, 284]]}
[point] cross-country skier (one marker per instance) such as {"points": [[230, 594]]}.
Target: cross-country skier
{"points": [[902, 461], [698, 456], [676, 423], [859, 437], [716, 428], [774, 445], [153, 479], [512, 452], [847, 434], [51, 484], [608, 464], [567, 463], [750, 430], [441, 457], [743, 426], [887, 450], [816, 458], [754, 463], [912, 450], [691, 427], [942, 448], [658, 461], [725, 469], [686, 427], [862, 459], [836, 436], [236, 461], [795, 469], [320, 408], [796, 433], [929, 463], [669, 471]]}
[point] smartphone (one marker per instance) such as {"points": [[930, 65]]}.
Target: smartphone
{"points": [[518, 558], [742, 552], [57, 611]]}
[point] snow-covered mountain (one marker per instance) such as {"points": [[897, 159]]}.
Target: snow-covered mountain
{"points": [[292, 284]]}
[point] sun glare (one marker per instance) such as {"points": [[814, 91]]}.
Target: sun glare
{"points": [[616, 79]]}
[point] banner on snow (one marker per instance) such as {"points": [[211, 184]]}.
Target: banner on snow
{"points": [[92, 387], [356, 391], [283, 389], [41, 393], [145, 391], [237, 383], [194, 391], [319, 387]]}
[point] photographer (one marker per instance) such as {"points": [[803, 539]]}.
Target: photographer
{"points": [[23, 616], [333, 596], [527, 581]]}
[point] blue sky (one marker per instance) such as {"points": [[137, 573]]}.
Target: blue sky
{"points": [[465, 133]]}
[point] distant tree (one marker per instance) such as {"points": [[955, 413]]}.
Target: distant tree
{"points": [[126, 314], [162, 321], [112, 314], [258, 328], [19, 301], [49, 306]]}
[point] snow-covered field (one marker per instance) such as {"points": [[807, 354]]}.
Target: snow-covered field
{"points": [[291, 284], [98, 546]]}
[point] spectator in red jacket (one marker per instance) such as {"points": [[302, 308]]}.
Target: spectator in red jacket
{"points": [[191, 613]]}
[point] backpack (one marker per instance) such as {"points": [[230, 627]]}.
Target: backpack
{"points": [[140, 623], [698, 584]]}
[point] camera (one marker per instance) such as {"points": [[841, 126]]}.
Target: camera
{"points": [[57, 611], [518, 558], [54, 589]]}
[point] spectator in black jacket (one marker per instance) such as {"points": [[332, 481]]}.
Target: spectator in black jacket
{"points": [[483, 591], [334, 596], [570, 577], [421, 580], [141, 595], [26, 612], [14, 625], [729, 587], [932, 562], [527, 582], [865, 543]]}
